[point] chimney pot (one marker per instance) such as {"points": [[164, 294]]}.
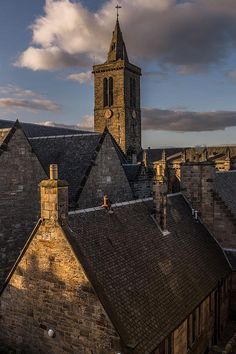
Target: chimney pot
{"points": [[54, 171]]}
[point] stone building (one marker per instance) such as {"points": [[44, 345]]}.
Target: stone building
{"points": [[92, 163], [117, 96], [170, 160], [212, 195], [110, 279]]}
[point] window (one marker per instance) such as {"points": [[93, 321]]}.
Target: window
{"points": [[199, 320], [132, 92], [193, 327], [210, 303], [189, 332], [165, 347], [162, 348], [194, 323], [105, 90], [169, 345], [108, 92]]}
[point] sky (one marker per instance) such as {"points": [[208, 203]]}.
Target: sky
{"points": [[186, 49]]}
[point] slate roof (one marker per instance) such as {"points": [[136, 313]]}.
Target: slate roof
{"points": [[72, 154], [214, 152], [231, 255], [147, 282], [225, 186], [36, 130], [132, 171], [156, 154]]}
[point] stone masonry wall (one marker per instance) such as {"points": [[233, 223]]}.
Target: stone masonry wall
{"points": [[107, 177], [204, 326], [224, 224], [3, 133], [49, 290], [142, 186], [20, 173], [197, 186]]}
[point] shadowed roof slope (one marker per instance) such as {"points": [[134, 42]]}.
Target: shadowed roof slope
{"points": [[231, 255], [225, 186], [72, 154], [147, 282], [36, 130]]}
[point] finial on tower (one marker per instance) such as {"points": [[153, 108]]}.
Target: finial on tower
{"points": [[118, 8]]}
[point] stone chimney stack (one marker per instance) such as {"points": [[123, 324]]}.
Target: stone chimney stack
{"points": [[197, 178], [227, 162], [54, 197], [160, 202]]}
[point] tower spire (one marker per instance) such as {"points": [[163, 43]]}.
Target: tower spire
{"points": [[117, 48]]}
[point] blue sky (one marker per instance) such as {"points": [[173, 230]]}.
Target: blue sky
{"points": [[185, 69]]}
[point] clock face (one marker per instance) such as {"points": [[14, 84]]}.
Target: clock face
{"points": [[134, 114], [108, 113]]}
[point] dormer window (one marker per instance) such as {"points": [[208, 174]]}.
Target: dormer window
{"points": [[113, 47]]}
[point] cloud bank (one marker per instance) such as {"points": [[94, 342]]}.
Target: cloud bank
{"points": [[184, 121], [191, 34], [33, 105], [16, 97]]}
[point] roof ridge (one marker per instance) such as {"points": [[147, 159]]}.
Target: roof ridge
{"points": [[115, 205], [62, 136]]}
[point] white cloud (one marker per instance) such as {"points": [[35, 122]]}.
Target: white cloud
{"points": [[82, 78], [48, 59], [86, 123], [32, 105], [13, 96], [17, 91], [191, 34]]}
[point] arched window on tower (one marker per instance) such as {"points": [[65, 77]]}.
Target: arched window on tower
{"points": [[105, 92], [132, 93], [108, 92]]}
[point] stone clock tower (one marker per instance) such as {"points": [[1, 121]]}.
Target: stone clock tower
{"points": [[117, 96]]}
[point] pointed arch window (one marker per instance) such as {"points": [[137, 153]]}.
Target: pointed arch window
{"points": [[108, 92], [105, 89], [132, 92]]}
